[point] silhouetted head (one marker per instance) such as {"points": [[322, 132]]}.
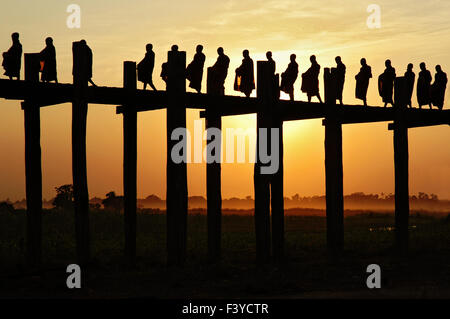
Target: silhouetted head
{"points": [[175, 47], [15, 36], [220, 51], [387, 63], [49, 41], [410, 66], [269, 55], [245, 53], [438, 68], [149, 47], [293, 57], [312, 59], [199, 48], [423, 67], [83, 42], [363, 62], [338, 59]]}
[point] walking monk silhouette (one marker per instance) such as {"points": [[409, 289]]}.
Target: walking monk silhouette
{"points": [[438, 88], [218, 74], [12, 59], [245, 78], [340, 78], [362, 81], [47, 57], [310, 80], [165, 66], [386, 83], [410, 77], [146, 66], [89, 61], [423, 86], [271, 62], [194, 71], [289, 77]]}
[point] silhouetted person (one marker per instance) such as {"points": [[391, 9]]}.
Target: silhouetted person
{"points": [[271, 62], [289, 77], [47, 57], [438, 88], [386, 83], [12, 59], [423, 86], [410, 77], [245, 79], [310, 80], [86, 50], [340, 78], [362, 81], [165, 66], [194, 71], [89, 62], [218, 73], [146, 66]]}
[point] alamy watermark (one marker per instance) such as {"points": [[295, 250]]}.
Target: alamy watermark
{"points": [[268, 151], [74, 279], [374, 19], [74, 19]]}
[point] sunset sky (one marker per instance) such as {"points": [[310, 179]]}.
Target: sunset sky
{"points": [[118, 30]]}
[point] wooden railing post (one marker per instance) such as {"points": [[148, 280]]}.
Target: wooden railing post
{"points": [[177, 192], [401, 166], [79, 169], [213, 180], [333, 169], [130, 162], [33, 166], [262, 181]]}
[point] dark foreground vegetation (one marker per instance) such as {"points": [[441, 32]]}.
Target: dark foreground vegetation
{"points": [[306, 273]]}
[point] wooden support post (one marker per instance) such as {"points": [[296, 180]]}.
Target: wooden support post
{"points": [[333, 170], [213, 178], [79, 169], [33, 167], [277, 181], [401, 166], [130, 162], [262, 181], [177, 193]]}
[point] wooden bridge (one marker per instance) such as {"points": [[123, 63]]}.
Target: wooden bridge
{"points": [[271, 112]]}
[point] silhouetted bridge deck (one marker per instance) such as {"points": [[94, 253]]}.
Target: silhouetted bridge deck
{"points": [[51, 94], [271, 112]]}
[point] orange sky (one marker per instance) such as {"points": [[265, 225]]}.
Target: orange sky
{"points": [[411, 31]]}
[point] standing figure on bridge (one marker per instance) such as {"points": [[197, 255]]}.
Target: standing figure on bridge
{"points": [[386, 83], [218, 73], [87, 72], [12, 59], [271, 62], [438, 88], [410, 77], [146, 66], [340, 78], [362, 81], [289, 77], [245, 78], [423, 86], [194, 71], [310, 80], [47, 58], [89, 62], [165, 66]]}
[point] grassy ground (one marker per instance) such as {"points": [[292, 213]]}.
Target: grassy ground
{"points": [[306, 273]]}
